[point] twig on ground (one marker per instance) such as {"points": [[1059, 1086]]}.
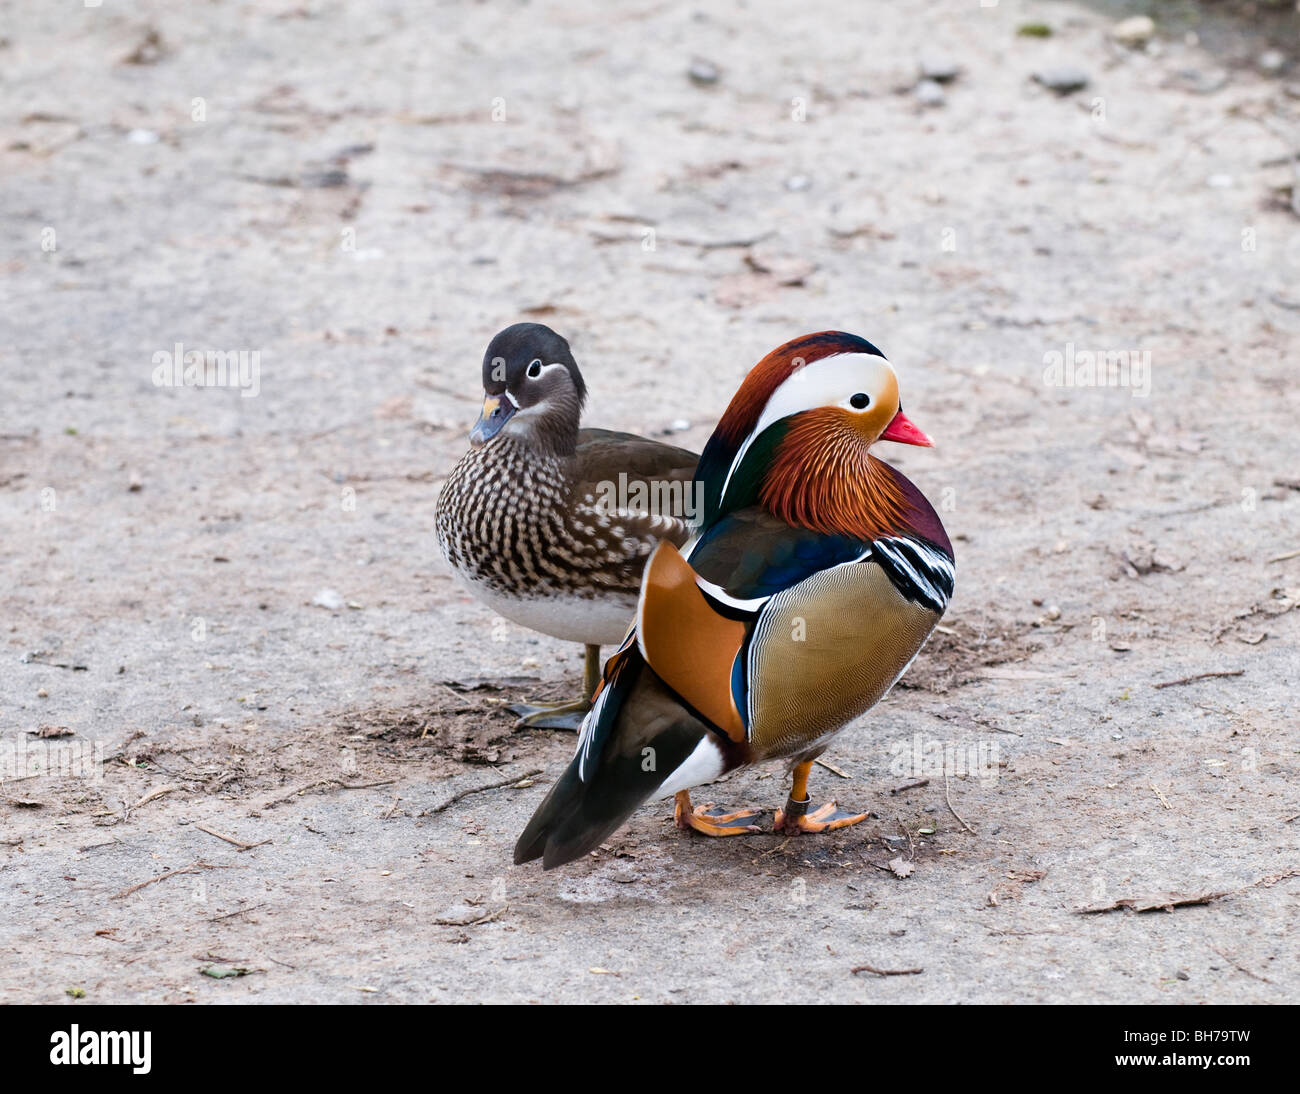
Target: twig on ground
{"points": [[192, 868], [913, 785], [1169, 901], [885, 972], [231, 839], [237, 911], [832, 768], [326, 782], [1240, 967], [1199, 676], [1163, 800], [1286, 555], [480, 789], [152, 795], [911, 847], [954, 812], [488, 918]]}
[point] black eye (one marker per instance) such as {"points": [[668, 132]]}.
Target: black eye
{"points": [[860, 401], [534, 369]]}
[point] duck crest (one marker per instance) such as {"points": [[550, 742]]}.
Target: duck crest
{"points": [[746, 407]]}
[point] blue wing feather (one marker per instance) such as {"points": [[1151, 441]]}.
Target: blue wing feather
{"points": [[751, 555]]}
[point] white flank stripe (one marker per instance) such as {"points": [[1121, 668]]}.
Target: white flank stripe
{"points": [[701, 766]]}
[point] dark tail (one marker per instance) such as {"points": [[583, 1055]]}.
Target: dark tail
{"points": [[641, 734]]}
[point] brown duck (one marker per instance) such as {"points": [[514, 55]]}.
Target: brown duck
{"points": [[548, 524]]}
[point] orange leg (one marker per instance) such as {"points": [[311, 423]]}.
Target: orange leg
{"points": [[795, 818], [709, 820]]}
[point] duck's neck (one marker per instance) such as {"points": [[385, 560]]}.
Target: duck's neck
{"points": [[831, 483], [550, 432]]}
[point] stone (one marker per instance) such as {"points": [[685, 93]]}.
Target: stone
{"points": [[939, 68], [1062, 79], [1271, 62], [1134, 32], [703, 73], [929, 93]]}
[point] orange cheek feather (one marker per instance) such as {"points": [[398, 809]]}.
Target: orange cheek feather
{"points": [[822, 477]]}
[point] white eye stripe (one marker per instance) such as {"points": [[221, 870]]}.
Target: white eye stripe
{"points": [[541, 368], [822, 383]]}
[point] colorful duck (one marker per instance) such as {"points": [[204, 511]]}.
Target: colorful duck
{"points": [[813, 579], [548, 524]]}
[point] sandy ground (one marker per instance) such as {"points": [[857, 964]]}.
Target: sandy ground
{"points": [[327, 184]]}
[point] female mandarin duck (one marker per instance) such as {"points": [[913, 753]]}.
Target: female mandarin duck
{"points": [[816, 575], [550, 525]]}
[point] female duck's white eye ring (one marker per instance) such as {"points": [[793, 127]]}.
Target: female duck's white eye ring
{"points": [[534, 368], [860, 401]]}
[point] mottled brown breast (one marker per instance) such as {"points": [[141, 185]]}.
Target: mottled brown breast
{"points": [[532, 525]]}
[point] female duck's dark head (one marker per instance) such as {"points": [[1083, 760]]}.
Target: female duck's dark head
{"points": [[532, 389]]}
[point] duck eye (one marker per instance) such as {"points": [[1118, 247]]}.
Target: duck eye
{"points": [[860, 401], [534, 369]]}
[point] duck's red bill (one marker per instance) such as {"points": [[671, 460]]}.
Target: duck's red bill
{"points": [[903, 431]]}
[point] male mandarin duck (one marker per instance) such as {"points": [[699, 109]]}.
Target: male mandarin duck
{"points": [[550, 525], [815, 576]]}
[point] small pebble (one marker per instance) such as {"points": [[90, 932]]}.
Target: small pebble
{"points": [[929, 93], [142, 136], [1271, 61], [1203, 83], [1062, 78], [1134, 32], [42, 694], [703, 73], [1219, 182], [939, 68], [1053, 612], [798, 182], [329, 599]]}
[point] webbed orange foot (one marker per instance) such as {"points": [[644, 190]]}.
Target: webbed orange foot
{"points": [[710, 820], [795, 819]]}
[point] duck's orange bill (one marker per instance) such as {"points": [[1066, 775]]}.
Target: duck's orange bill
{"points": [[903, 431]]}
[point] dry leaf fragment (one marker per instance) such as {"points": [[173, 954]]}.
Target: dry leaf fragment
{"points": [[900, 867]]}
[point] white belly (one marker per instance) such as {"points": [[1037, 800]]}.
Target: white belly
{"points": [[597, 620]]}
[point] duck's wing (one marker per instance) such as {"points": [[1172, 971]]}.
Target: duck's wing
{"points": [[629, 493], [603, 453]]}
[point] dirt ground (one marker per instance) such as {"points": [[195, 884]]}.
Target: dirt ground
{"points": [[239, 600]]}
